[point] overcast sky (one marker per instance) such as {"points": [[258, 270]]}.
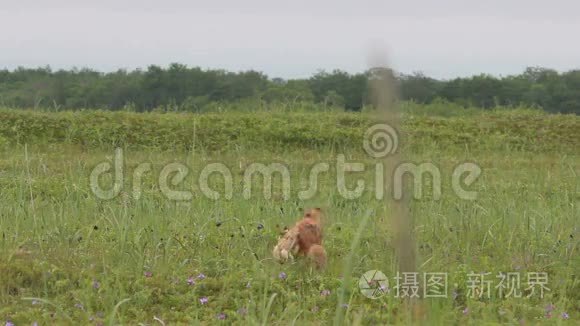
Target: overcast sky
{"points": [[293, 38]]}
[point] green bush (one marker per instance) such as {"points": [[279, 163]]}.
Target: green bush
{"points": [[514, 129]]}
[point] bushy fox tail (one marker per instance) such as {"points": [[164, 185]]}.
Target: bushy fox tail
{"points": [[318, 256]]}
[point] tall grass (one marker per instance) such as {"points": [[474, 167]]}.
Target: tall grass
{"points": [[84, 257], [519, 130]]}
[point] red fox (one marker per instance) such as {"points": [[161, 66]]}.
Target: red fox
{"points": [[304, 238]]}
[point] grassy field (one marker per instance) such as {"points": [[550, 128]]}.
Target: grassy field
{"points": [[68, 257]]}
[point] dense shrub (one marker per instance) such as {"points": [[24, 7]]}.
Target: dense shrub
{"points": [[517, 129]]}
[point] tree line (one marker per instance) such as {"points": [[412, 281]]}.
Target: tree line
{"points": [[192, 88]]}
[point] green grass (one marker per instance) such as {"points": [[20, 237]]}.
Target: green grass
{"points": [[528, 130], [58, 241]]}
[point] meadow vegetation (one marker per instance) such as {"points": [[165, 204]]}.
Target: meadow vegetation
{"points": [[67, 257]]}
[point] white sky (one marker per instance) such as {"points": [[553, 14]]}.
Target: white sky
{"points": [[293, 38]]}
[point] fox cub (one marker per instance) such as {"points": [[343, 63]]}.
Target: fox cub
{"points": [[304, 238]]}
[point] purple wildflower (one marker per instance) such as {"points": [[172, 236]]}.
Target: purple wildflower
{"points": [[96, 285], [565, 315], [344, 305], [222, 316], [466, 311], [201, 276], [203, 300], [190, 281], [282, 276], [148, 274], [9, 323], [384, 288], [325, 293]]}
